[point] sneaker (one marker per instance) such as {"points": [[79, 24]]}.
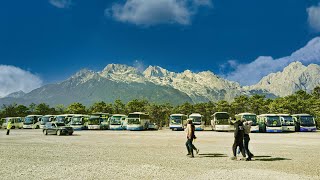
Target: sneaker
{"points": [[248, 159], [251, 155], [233, 158], [191, 156], [188, 154], [197, 151]]}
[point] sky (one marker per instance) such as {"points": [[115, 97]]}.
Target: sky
{"points": [[46, 41]]}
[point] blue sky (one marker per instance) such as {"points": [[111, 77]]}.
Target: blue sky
{"points": [[52, 39]]}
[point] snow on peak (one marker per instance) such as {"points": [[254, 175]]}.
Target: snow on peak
{"points": [[156, 71], [120, 72]]}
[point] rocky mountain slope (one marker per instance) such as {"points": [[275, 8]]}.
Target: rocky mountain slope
{"points": [[294, 77]]}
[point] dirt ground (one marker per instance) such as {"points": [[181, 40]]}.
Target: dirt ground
{"points": [[28, 154]]}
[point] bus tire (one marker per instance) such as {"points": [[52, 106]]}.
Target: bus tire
{"points": [[59, 133], [70, 134], [45, 132], [37, 127], [13, 127]]}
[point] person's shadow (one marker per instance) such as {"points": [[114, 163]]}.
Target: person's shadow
{"points": [[269, 158], [212, 155]]}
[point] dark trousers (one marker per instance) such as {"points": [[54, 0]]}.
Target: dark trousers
{"points": [[190, 146], [8, 131], [246, 139], [238, 141]]}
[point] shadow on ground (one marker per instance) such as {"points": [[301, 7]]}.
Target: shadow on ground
{"points": [[269, 158], [212, 155]]}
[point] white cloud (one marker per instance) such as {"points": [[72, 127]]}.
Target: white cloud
{"points": [[13, 79], [314, 17], [61, 3], [153, 12], [251, 73]]}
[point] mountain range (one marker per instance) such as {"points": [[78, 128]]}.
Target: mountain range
{"points": [[156, 84]]}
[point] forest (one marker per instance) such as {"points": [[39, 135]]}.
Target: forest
{"points": [[299, 102]]}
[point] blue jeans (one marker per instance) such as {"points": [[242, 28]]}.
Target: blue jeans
{"points": [[190, 146]]}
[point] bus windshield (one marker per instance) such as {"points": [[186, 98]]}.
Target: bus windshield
{"points": [[76, 121], [196, 119], [252, 118], [273, 121], [44, 120], [134, 116], [134, 121], [287, 120], [28, 120], [94, 121], [307, 121], [175, 119], [115, 120], [222, 116], [61, 119]]}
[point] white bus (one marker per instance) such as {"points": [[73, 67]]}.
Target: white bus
{"points": [[287, 123], [63, 118], [118, 122], [221, 122], [197, 121], [16, 122], [79, 122], [304, 122], [269, 123], [249, 117], [138, 121], [45, 119], [94, 122], [105, 124], [32, 122], [177, 122]]}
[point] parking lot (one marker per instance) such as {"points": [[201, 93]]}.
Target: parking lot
{"points": [[28, 154]]}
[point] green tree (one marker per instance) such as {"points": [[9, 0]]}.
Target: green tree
{"points": [[137, 105], [76, 108], [222, 106], [60, 109], [119, 107], [22, 111], [101, 107], [240, 105], [9, 110], [43, 109]]}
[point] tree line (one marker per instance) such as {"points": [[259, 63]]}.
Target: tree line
{"points": [[299, 102]]}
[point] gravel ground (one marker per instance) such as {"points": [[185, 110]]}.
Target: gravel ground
{"points": [[28, 154]]}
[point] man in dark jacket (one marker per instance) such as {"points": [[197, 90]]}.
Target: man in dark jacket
{"points": [[238, 139]]}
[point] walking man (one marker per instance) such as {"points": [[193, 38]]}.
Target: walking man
{"points": [[190, 136], [247, 129], [8, 127], [238, 139]]}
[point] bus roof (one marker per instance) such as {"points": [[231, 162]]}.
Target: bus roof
{"points": [[301, 115], [138, 113], [119, 115], [245, 113], [33, 115], [195, 114], [283, 114], [178, 115], [267, 115]]}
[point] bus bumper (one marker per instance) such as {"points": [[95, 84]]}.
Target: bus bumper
{"points": [[112, 127], [254, 128], [140, 128], [274, 129], [27, 127], [288, 128], [95, 127], [224, 128], [176, 128], [308, 129]]}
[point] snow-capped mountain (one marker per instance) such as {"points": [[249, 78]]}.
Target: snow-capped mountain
{"points": [[294, 77], [156, 84]]}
